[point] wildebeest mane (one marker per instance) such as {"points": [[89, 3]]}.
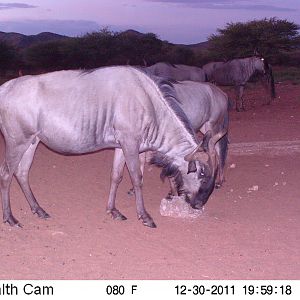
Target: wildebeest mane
{"points": [[168, 169], [167, 89]]}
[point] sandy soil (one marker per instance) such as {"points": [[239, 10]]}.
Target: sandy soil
{"points": [[250, 228]]}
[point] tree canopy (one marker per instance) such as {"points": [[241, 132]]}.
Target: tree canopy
{"points": [[269, 37], [104, 48], [8, 57], [273, 38]]}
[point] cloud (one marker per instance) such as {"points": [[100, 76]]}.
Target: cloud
{"points": [[226, 4], [15, 5], [65, 27]]}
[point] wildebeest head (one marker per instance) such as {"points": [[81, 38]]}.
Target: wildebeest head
{"points": [[260, 65], [202, 169]]}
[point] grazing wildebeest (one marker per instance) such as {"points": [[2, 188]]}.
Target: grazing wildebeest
{"points": [[74, 112], [176, 72], [237, 73], [206, 107]]}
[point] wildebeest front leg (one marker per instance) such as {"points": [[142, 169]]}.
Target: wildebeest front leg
{"points": [[173, 186], [240, 100], [116, 178], [131, 153], [22, 173], [142, 166]]}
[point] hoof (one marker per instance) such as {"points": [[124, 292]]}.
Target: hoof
{"points": [[147, 221], [218, 185], [169, 196], [116, 215], [12, 221], [41, 213], [198, 207], [150, 224]]}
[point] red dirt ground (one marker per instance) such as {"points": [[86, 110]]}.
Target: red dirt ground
{"points": [[242, 234]]}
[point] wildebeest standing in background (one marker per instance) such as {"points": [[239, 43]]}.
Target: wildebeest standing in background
{"points": [[74, 112], [237, 73], [176, 72], [210, 67]]}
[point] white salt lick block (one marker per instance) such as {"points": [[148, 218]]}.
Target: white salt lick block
{"points": [[177, 207]]}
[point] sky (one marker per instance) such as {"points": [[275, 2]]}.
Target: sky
{"points": [[177, 21]]}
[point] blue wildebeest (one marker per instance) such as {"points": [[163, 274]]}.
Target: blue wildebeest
{"points": [[74, 112], [206, 107], [176, 72], [210, 67], [237, 73]]}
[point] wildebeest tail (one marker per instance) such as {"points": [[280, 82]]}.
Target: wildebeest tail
{"points": [[224, 141], [272, 83], [269, 73]]}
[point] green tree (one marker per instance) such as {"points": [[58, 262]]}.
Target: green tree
{"points": [[268, 37], [180, 55], [45, 56], [97, 48], [137, 49], [8, 57], [103, 48], [89, 51]]}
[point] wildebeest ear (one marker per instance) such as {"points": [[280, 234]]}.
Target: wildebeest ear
{"points": [[201, 156], [192, 168]]}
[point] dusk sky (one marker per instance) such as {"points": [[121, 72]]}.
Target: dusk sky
{"points": [[178, 21]]}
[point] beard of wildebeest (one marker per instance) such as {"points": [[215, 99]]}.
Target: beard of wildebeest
{"points": [[195, 195]]}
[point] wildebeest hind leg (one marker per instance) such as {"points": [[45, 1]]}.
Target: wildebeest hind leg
{"points": [[13, 155], [22, 174], [115, 179], [5, 181], [240, 100]]}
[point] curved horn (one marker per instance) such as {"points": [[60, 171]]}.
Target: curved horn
{"points": [[206, 148], [191, 156], [205, 151], [197, 154], [214, 139]]}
